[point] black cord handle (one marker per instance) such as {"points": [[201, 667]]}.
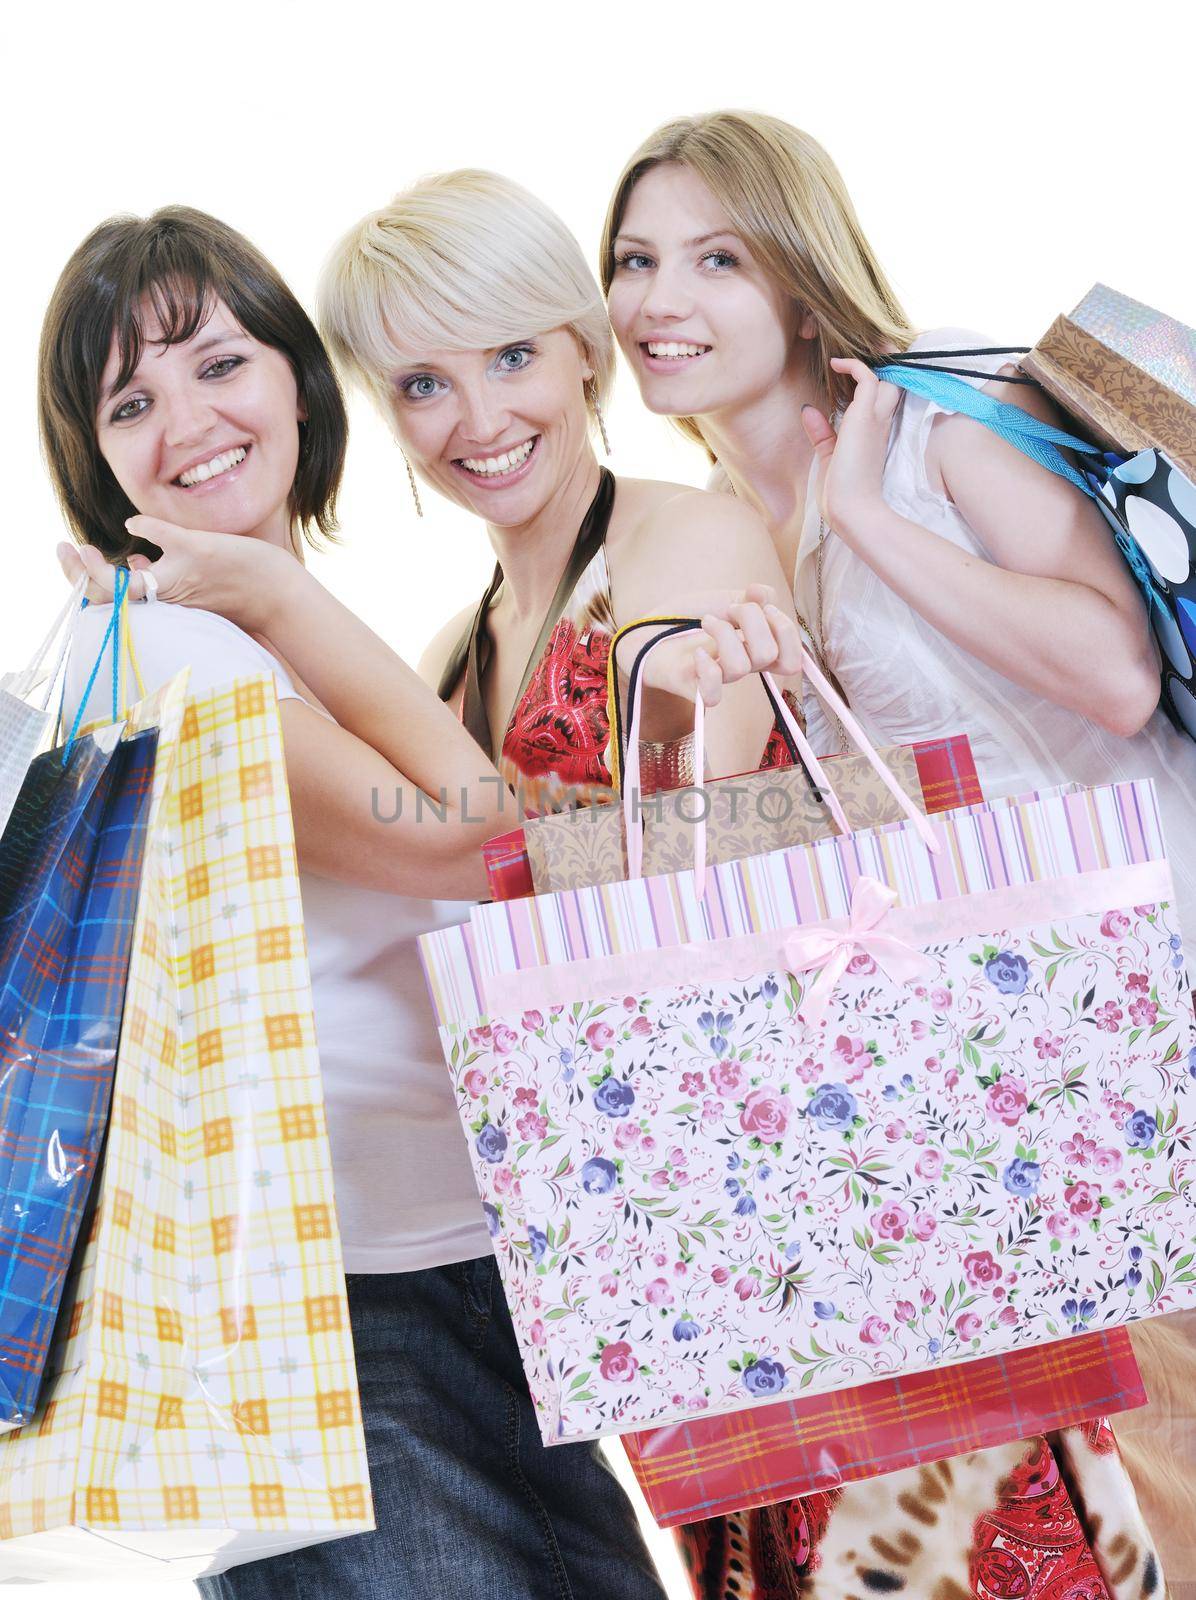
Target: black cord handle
{"points": [[914, 358], [671, 626]]}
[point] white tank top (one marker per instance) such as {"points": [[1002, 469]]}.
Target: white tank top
{"points": [[906, 681], [405, 1194]]}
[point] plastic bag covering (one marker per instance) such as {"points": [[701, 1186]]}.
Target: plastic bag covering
{"points": [[713, 1465], [70, 865], [202, 1407], [23, 725]]}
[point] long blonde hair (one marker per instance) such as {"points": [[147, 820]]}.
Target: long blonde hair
{"points": [[786, 199]]}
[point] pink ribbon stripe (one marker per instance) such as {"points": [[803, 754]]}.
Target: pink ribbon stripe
{"points": [[897, 937]]}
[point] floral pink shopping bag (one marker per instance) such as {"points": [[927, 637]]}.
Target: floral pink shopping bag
{"points": [[862, 1107]]}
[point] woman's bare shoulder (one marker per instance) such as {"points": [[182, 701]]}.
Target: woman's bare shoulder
{"points": [[687, 540], [653, 504], [436, 657]]}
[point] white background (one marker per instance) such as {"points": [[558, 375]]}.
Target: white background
{"points": [[1002, 158]]}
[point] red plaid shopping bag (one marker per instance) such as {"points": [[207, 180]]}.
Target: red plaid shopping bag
{"points": [[713, 1465]]}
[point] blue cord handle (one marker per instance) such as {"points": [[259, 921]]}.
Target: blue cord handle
{"points": [[1038, 440], [120, 589]]}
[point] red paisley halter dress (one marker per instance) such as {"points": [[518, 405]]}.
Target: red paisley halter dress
{"points": [[557, 740]]}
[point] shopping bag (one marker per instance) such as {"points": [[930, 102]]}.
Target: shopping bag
{"points": [[1124, 370], [1043, 1518], [737, 816], [866, 1106], [1147, 495], [24, 724], [708, 1466], [748, 814], [65, 939], [945, 774], [70, 866], [202, 1407]]}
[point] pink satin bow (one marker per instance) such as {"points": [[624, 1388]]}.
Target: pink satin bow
{"points": [[832, 949]]}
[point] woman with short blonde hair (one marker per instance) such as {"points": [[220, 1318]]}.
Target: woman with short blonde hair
{"points": [[466, 310], [414, 276]]}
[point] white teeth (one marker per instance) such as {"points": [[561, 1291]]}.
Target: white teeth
{"points": [[494, 466], [672, 352], [212, 468]]}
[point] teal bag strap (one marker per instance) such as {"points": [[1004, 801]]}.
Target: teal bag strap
{"points": [[111, 636], [1038, 440]]}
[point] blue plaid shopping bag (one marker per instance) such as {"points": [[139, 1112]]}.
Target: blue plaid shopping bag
{"points": [[60, 1011], [70, 865]]}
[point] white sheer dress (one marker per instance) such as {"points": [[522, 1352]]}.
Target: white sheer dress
{"points": [[906, 681]]}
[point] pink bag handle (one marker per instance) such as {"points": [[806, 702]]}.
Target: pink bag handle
{"points": [[632, 820], [632, 801], [830, 697]]}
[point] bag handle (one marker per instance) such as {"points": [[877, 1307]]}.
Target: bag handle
{"points": [[115, 634], [947, 387], [61, 629], [631, 801], [914, 358], [672, 626]]}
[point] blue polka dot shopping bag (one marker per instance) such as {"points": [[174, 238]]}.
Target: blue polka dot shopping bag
{"points": [[1126, 375]]}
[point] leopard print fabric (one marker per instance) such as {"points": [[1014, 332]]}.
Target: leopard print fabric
{"points": [[1039, 1520]]}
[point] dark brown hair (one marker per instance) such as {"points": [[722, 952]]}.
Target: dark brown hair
{"points": [[179, 262]]}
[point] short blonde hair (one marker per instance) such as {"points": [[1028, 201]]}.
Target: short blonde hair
{"points": [[786, 199], [464, 260]]}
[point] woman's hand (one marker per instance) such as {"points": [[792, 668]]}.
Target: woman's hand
{"points": [[739, 638], [852, 461], [230, 574]]}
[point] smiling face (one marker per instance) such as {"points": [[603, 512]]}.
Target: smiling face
{"points": [[205, 432], [703, 327], [499, 431]]}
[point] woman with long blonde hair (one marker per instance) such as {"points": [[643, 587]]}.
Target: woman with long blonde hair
{"points": [[950, 585]]}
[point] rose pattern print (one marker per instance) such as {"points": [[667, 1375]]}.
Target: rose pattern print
{"points": [[699, 1203]]}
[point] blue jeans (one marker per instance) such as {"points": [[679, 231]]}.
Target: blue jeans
{"points": [[466, 1498]]}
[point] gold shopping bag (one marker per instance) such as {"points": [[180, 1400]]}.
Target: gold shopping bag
{"points": [[202, 1406]]}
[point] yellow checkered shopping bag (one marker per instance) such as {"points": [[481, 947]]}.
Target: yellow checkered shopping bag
{"points": [[202, 1406]]}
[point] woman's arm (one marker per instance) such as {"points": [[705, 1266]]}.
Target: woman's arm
{"points": [[1054, 611], [394, 794], [708, 555]]}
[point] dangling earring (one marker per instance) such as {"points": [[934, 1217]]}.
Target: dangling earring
{"points": [[419, 510], [592, 396]]}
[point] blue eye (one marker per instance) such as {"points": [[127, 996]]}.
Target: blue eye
{"points": [[420, 387], [633, 261], [516, 358], [720, 260]]}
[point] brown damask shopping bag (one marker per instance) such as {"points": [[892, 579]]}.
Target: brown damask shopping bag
{"points": [[752, 814]]}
